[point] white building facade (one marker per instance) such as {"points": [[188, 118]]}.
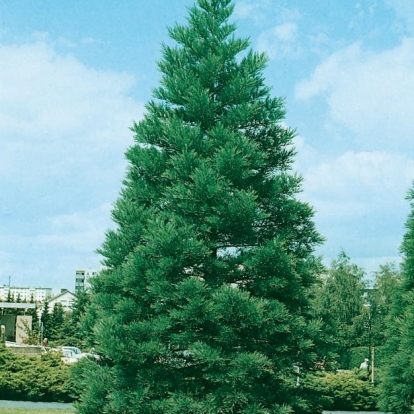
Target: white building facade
{"points": [[82, 279], [25, 294], [65, 298]]}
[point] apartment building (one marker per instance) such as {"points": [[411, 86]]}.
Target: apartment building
{"points": [[25, 294], [82, 279]]}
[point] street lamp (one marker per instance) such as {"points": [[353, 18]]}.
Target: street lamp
{"points": [[371, 344]]}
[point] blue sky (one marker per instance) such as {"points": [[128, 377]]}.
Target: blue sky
{"points": [[75, 74]]}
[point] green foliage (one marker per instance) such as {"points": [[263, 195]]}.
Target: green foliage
{"points": [[56, 322], [32, 378], [378, 301], [64, 328], [358, 354], [34, 314], [204, 303], [46, 319], [73, 331], [10, 298], [397, 390], [339, 304], [344, 391]]}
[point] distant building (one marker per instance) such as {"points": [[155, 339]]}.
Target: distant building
{"points": [[65, 298], [25, 294], [82, 279]]}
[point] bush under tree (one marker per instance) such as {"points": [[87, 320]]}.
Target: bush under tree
{"points": [[204, 303], [344, 390], [26, 378]]}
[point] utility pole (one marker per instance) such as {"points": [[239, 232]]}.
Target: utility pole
{"points": [[372, 364]]}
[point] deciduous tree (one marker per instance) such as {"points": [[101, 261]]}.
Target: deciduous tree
{"points": [[339, 303], [380, 300]]}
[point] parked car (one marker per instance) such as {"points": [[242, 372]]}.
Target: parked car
{"points": [[72, 350], [70, 354]]}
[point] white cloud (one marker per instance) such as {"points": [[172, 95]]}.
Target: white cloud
{"points": [[80, 232], [280, 41], [256, 10], [265, 13], [361, 180], [306, 155], [278, 35], [67, 242], [404, 9], [82, 220], [51, 104], [371, 94], [64, 128], [359, 199], [286, 32]]}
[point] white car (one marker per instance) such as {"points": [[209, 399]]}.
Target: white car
{"points": [[72, 354], [71, 351]]}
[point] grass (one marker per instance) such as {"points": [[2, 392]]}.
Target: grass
{"points": [[25, 410]]}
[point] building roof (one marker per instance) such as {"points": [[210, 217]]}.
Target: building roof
{"points": [[62, 294]]}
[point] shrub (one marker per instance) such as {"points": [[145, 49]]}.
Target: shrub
{"points": [[345, 390], [33, 379]]}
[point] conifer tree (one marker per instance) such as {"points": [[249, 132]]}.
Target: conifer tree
{"points": [[19, 311], [204, 303], [72, 327], [56, 322], [32, 330], [397, 388], [9, 299], [33, 313], [46, 318]]}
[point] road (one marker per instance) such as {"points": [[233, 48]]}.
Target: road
{"points": [[28, 404], [353, 412]]}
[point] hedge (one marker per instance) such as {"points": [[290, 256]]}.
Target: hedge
{"points": [[34, 379]]}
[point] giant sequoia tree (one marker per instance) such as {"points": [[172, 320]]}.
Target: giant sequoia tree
{"points": [[397, 388], [204, 303]]}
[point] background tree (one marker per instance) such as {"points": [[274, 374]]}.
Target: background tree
{"points": [[9, 299], [339, 302], [72, 330], [18, 311], [56, 322], [33, 313], [204, 303], [45, 319], [379, 301], [79, 306], [397, 388]]}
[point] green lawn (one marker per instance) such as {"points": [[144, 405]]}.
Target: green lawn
{"points": [[25, 410]]}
